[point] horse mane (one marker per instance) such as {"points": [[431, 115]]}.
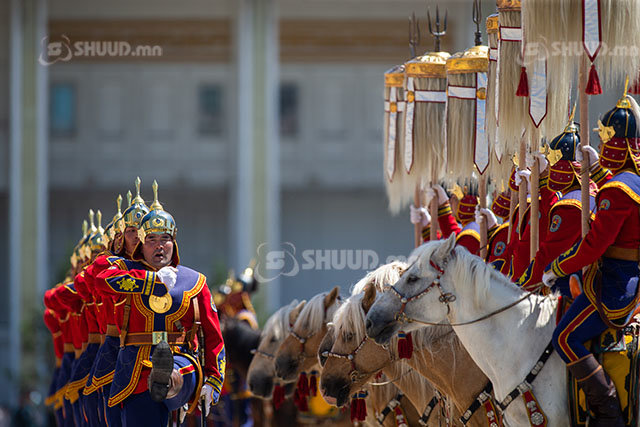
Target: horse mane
{"points": [[349, 317], [312, 315], [277, 325], [382, 277], [473, 271]]}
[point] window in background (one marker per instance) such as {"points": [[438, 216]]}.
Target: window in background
{"points": [[211, 110], [62, 110], [289, 110]]}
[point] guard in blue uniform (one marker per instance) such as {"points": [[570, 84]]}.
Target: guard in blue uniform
{"points": [[611, 249]]}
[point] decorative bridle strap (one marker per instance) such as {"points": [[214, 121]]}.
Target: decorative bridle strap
{"points": [[390, 407], [264, 354], [424, 419], [404, 318], [484, 395], [525, 385], [351, 357]]}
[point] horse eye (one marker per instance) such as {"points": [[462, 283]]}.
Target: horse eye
{"points": [[412, 279], [274, 339], [348, 336]]}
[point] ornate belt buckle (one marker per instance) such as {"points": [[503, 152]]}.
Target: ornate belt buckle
{"points": [[156, 337]]}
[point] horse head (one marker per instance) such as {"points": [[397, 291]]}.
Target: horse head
{"points": [[298, 351], [353, 358], [421, 281], [262, 372]]}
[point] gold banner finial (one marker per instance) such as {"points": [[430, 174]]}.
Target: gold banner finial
{"points": [[156, 204], [85, 227], [119, 204], [99, 219], [129, 196]]}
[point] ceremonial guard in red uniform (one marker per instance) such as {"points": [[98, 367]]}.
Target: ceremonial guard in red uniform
{"points": [[610, 248], [122, 238], [91, 335], [172, 318], [564, 223], [69, 306], [468, 231]]}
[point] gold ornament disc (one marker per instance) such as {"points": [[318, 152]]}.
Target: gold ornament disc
{"points": [[160, 304]]}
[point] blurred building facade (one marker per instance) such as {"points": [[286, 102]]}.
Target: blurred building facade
{"points": [[296, 159]]}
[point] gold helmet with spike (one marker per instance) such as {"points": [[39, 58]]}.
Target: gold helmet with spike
{"points": [[134, 213], [110, 230], [96, 239], [158, 221]]}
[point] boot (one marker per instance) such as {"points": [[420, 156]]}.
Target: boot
{"points": [[600, 392], [160, 376]]}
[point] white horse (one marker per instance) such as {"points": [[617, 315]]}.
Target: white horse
{"points": [[446, 283]]}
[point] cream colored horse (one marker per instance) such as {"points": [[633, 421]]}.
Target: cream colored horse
{"points": [[446, 284]]}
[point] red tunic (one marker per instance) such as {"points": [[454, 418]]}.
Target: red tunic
{"points": [[118, 280], [565, 229], [617, 223]]}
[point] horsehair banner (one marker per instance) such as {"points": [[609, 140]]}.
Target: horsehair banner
{"points": [[425, 87], [605, 31], [467, 142], [394, 107]]}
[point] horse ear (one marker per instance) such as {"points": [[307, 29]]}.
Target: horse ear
{"points": [[369, 297], [330, 298], [293, 315], [446, 247]]}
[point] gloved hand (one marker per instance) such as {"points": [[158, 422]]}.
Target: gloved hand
{"points": [[438, 191], [420, 216], [523, 175], [593, 155], [543, 163], [491, 218], [210, 397], [549, 278], [168, 276]]}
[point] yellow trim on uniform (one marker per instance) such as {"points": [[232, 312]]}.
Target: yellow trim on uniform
{"points": [[624, 187], [143, 354]]}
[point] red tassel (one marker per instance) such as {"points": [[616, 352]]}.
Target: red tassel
{"points": [[277, 397], [313, 384], [300, 401], [523, 86], [362, 409], [635, 88], [303, 385], [405, 345], [354, 409], [593, 85], [358, 407]]}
